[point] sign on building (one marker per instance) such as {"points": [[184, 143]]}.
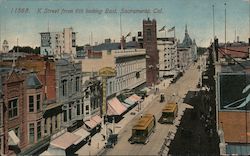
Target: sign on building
{"points": [[45, 39], [234, 91]]}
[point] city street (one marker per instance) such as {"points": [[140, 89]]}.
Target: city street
{"points": [[175, 92]]}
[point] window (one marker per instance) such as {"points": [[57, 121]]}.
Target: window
{"points": [[82, 106], [65, 116], [31, 133], [148, 34], [70, 114], [77, 87], [13, 108], [38, 99], [87, 109], [56, 125], [45, 126], [39, 132], [78, 108], [31, 103], [64, 87]]}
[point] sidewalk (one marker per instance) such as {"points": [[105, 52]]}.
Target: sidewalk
{"points": [[97, 142]]}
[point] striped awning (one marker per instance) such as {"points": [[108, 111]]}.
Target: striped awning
{"points": [[115, 107], [134, 98]]}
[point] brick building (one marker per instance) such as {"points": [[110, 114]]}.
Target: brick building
{"points": [[152, 56], [233, 116], [14, 114]]}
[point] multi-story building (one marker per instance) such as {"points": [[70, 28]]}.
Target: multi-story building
{"points": [[186, 52], [130, 65], [50, 110], [69, 91], [58, 43], [152, 55], [1, 119], [167, 48], [14, 116], [183, 58]]}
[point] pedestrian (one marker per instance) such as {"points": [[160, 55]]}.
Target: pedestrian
{"points": [[141, 115]]}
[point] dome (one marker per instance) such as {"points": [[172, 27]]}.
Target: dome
{"points": [[5, 42]]}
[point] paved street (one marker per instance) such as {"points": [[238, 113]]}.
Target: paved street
{"points": [[179, 89]]}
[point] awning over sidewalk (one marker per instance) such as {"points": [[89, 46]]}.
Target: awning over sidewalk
{"points": [[115, 107], [90, 123], [82, 133], [13, 140], [145, 89], [97, 119], [66, 140], [93, 122], [134, 98]]}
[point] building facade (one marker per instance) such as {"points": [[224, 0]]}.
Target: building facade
{"points": [[1, 120], [14, 116], [33, 104], [58, 43], [167, 48], [186, 52], [232, 107], [152, 55], [5, 46], [69, 91], [130, 66]]}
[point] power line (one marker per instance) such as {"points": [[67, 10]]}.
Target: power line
{"points": [[234, 50], [223, 53]]}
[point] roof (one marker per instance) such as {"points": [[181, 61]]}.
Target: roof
{"points": [[235, 51], [33, 82], [113, 46], [235, 67], [143, 122], [170, 107], [5, 42]]}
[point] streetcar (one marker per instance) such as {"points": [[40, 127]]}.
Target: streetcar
{"points": [[169, 113], [143, 129]]}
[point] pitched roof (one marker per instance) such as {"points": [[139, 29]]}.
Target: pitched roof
{"points": [[32, 81]]}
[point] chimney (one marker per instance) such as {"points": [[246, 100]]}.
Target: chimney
{"points": [[123, 43], [249, 41], [238, 39]]}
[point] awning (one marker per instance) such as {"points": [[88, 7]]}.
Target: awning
{"points": [[135, 98], [126, 105], [145, 89], [13, 140], [91, 123], [82, 133], [129, 101], [115, 107], [97, 119], [66, 140]]}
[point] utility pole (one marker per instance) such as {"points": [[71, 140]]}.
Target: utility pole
{"points": [[225, 27]]}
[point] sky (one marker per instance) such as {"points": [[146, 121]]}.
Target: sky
{"points": [[197, 14]]}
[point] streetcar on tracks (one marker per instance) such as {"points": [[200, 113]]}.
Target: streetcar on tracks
{"points": [[169, 113], [144, 127]]}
